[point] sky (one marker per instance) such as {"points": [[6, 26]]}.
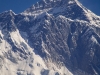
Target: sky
{"points": [[93, 5], [19, 6]]}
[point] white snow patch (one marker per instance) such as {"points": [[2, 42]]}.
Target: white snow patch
{"points": [[93, 39]]}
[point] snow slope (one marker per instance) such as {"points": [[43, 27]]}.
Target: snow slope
{"points": [[52, 37], [22, 61]]}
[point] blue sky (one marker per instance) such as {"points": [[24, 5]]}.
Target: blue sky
{"points": [[16, 5], [93, 5], [20, 5]]}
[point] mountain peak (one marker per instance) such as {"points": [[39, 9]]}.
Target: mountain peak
{"points": [[45, 4], [72, 9], [7, 13], [10, 12], [53, 37]]}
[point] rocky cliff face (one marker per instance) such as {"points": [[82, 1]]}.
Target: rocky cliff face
{"points": [[52, 37]]}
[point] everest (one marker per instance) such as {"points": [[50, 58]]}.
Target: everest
{"points": [[52, 37]]}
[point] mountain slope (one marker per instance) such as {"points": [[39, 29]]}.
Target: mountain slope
{"points": [[53, 37]]}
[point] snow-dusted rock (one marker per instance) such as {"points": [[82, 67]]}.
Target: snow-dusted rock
{"points": [[52, 37]]}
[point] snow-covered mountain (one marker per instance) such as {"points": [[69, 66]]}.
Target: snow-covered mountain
{"points": [[52, 37]]}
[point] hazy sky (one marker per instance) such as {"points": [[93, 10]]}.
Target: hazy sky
{"points": [[20, 5]]}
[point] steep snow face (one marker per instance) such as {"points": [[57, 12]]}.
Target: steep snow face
{"points": [[16, 55], [53, 37], [18, 58]]}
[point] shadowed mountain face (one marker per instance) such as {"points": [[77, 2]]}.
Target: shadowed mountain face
{"points": [[52, 37]]}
